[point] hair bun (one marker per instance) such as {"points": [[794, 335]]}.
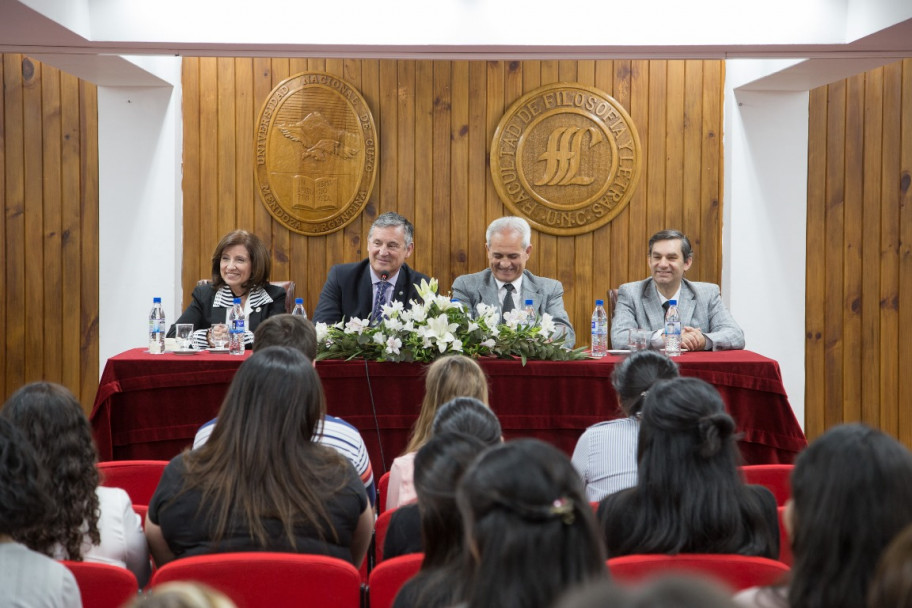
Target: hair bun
{"points": [[714, 430]]}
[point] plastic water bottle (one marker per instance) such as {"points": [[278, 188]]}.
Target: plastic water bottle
{"points": [[672, 330], [599, 347], [530, 312], [298, 309], [157, 328], [236, 326]]}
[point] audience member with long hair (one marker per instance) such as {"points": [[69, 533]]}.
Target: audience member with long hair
{"points": [[531, 533], [851, 495], [891, 585], [91, 522], [462, 415], [27, 578], [439, 465], [447, 377], [669, 591], [260, 483], [689, 497], [606, 453]]}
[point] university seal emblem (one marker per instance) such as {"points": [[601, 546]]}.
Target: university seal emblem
{"points": [[316, 153], [567, 157]]}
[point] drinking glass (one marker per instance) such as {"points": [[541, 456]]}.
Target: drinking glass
{"points": [[184, 334], [638, 339], [219, 335]]}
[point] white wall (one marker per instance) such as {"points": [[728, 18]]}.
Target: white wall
{"points": [[140, 206], [764, 221]]}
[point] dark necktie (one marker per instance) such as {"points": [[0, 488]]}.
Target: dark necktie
{"points": [[382, 288], [665, 306], [507, 301]]}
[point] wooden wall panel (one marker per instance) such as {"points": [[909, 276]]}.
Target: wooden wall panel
{"points": [[49, 190], [859, 252], [435, 121]]}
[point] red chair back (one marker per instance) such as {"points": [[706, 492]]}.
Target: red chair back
{"points": [[776, 477], [381, 526], [103, 585], [270, 580], [138, 477], [736, 571], [387, 578], [785, 543], [382, 487]]}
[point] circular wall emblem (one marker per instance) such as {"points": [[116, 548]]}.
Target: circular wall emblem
{"points": [[316, 153], [567, 157]]}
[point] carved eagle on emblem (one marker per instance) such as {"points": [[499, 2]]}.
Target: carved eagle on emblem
{"points": [[320, 139]]}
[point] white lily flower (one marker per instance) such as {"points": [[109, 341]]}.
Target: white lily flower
{"points": [[322, 331], [473, 326], [457, 345], [379, 338], [547, 325], [489, 343], [393, 309], [356, 326], [392, 324], [514, 318], [393, 344]]}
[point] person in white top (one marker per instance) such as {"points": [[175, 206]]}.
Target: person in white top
{"points": [[606, 454], [447, 378], [27, 578], [91, 523]]}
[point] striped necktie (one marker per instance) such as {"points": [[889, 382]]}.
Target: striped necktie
{"points": [[382, 288]]}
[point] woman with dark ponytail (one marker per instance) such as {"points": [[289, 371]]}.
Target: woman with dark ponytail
{"points": [[689, 497]]}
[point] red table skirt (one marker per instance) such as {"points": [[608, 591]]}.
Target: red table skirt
{"points": [[150, 406]]}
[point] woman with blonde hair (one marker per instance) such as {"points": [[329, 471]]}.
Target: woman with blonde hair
{"points": [[447, 378]]}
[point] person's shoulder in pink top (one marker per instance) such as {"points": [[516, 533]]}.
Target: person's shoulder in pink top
{"points": [[401, 489]]}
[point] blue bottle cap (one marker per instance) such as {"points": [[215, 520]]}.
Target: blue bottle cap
{"points": [[156, 300], [528, 302], [237, 300], [672, 302], [299, 300], [600, 302]]}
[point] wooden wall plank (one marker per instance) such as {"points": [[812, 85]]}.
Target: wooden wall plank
{"points": [[639, 229], [904, 396], [459, 175], [674, 146], [692, 164], [14, 212], [424, 170], [890, 249], [88, 188], [440, 248], [710, 229], [870, 256], [4, 318], [473, 255], [852, 269], [815, 288], [55, 315], [70, 230], [33, 310]]}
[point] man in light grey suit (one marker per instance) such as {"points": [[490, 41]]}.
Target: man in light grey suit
{"points": [[508, 242], [706, 323]]}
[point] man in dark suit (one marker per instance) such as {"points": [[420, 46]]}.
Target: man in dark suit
{"points": [[361, 288], [508, 242], [706, 323]]}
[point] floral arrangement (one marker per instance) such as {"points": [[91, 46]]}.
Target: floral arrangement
{"points": [[437, 326]]}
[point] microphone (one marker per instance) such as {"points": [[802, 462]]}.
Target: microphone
{"points": [[384, 276]]}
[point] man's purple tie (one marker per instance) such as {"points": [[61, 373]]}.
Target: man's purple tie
{"points": [[382, 288]]}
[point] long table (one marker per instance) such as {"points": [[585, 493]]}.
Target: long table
{"points": [[150, 406]]}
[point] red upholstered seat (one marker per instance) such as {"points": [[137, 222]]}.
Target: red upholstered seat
{"points": [[785, 544], [380, 528], [270, 580], [776, 477], [387, 578], [138, 477], [103, 585], [735, 571], [382, 487]]}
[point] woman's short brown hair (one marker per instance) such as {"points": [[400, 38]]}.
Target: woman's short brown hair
{"points": [[260, 262]]}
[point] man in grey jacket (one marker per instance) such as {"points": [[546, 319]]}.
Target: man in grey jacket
{"points": [[506, 284], [706, 323]]}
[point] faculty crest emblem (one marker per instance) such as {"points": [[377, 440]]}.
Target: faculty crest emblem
{"points": [[566, 156], [316, 149]]}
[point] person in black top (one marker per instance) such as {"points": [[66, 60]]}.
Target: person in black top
{"points": [[690, 496]]}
